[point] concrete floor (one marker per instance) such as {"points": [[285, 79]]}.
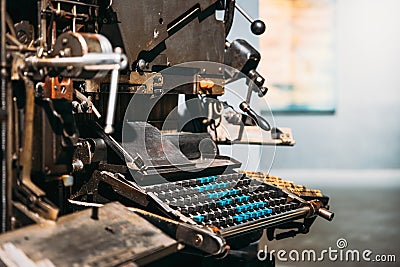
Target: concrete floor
{"points": [[368, 218]]}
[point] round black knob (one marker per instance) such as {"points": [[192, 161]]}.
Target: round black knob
{"points": [[258, 27]]}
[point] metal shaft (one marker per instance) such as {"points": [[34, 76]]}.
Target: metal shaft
{"points": [[112, 102], [97, 60], [241, 10]]}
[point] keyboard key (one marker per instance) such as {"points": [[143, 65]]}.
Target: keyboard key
{"points": [[198, 218]]}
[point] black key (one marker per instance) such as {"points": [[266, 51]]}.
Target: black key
{"points": [[276, 209], [188, 200], [212, 205], [232, 210], [272, 193], [216, 222], [229, 220], [180, 201], [206, 216], [253, 188], [192, 208], [163, 187], [271, 202], [184, 210], [224, 212], [217, 213], [206, 205], [173, 202], [169, 194]]}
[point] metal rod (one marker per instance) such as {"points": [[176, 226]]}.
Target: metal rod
{"points": [[98, 60], [248, 98], [43, 24], [241, 10], [112, 99], [3, 89]]}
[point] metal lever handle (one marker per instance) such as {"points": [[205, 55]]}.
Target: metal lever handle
{"points": [[257, 26], [109, 128], [261, 122]]}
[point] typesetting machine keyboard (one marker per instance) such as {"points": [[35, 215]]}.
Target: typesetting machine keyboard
{"points": [[233, 203]]}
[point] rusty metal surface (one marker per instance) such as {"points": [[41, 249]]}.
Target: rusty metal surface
{"points": [[116, 237], [58, 88]]}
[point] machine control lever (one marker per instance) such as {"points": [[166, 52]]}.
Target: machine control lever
{"points": [[261, 122], [257, 26]]}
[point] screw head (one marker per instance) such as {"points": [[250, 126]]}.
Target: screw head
{"points": [[198, 240]]}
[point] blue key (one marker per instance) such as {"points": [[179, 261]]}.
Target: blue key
{"points": [[233, 192], [221, 185], [240, 208], [211, 195], [258, 213], [251, 214], [245, 216], [241, 198], [221, 202], [200, 189], [238, 218], [198, 218], [228, 201], [268, 211], [246, 198], [201, 180], [261, 204]]}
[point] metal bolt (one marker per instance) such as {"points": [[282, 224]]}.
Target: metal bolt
{"points": [[64, 41], [198, 241], [141, 64]]}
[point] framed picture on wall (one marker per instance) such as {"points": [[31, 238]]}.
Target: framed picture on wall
{"points": [[298, 54]]}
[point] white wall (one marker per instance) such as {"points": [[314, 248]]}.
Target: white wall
{"points": [[364, 132]]}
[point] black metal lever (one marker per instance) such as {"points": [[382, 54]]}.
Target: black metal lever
{"points": [[261, 122], [257, 26]]}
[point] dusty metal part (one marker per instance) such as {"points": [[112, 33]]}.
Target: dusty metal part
{"points": [[26, 154], [71, 44], [203, 239], [117, 237], [153, 29], [58, 88], [24, 31]]}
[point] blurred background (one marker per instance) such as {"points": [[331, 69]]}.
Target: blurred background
{"points": [[352, 154]]}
